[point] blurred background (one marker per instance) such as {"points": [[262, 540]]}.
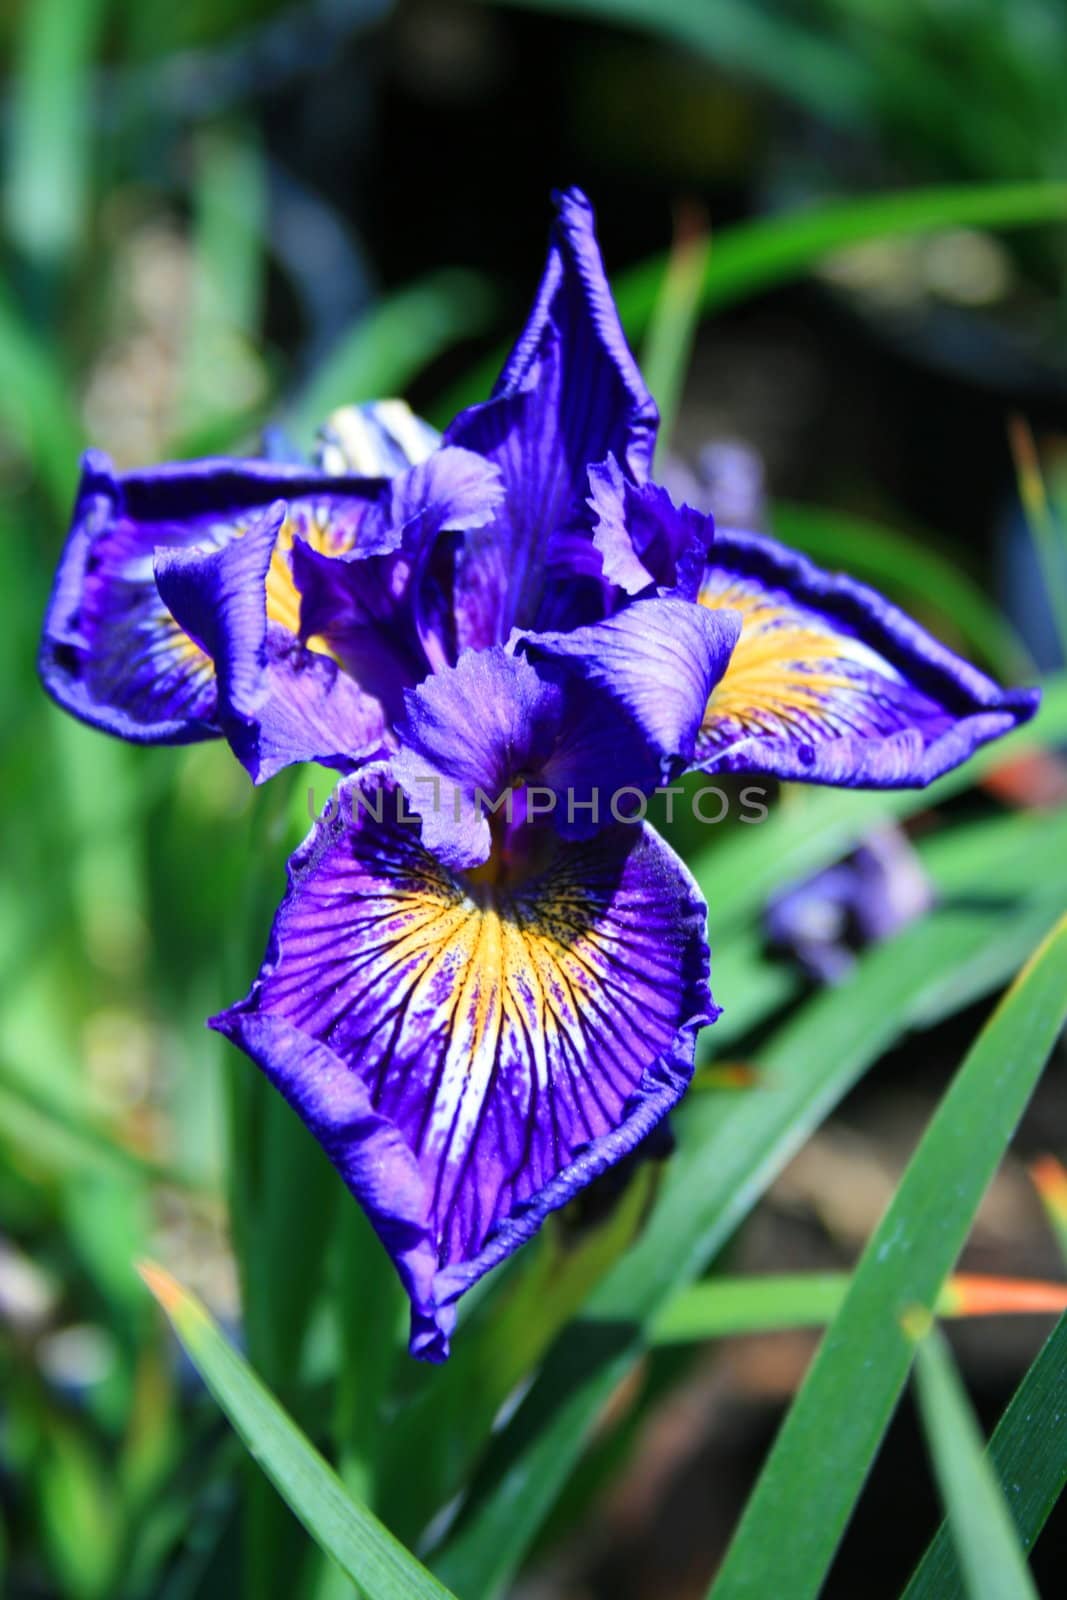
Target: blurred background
{"points": [[236, 212]]}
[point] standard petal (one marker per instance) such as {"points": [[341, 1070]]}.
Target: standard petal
{"points": [[570, 394], [634, 690], [471, 1058], [829, 683], [382, 607], [219, 597]]}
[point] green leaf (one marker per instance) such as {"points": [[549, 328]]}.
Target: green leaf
{"points": [[1048, 536], [911, 571], [994, 1567], [730, 1147], [794, 1517], [669, 343], [362, 1547], [759, 1304], [809, 65], [223, 379], [49, 148], [1029, 1453], [392, 343], [35, 406], [750, 257]]}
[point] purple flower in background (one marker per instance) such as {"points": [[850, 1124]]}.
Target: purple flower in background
{"points": [[874, 892], [484, 983]]}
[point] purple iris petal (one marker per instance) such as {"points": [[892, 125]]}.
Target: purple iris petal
{"points": [[278, 701], [471, 1055], [634, 691], [643, 538], [111, 651], [218, 596], [830, 683], [866, 898], [472, 735], [196, 559], [568, 724], [382, 608], [570, 394]]}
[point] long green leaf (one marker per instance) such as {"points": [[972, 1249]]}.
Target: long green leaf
{"points": [[49, 151], [35, 405], [994, 1566], [393, 342], [750, 257], [669, 344], [730, 1148], [807, 64], [221, 376], [1029, 1452], [760, 1303], [795, 1517], [345, 1529]]}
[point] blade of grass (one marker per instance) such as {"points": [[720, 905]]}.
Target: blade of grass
{"points": [[730, 1148], [361, 1545], [1047, 538], [73, 1137], [1049, 1177], [910, 570], [994, 1567], [849, 1393], [393, 343], [727, 1306], [1028, 1451], [48, 148], [35, 406], [220, 372], [669, 342]]}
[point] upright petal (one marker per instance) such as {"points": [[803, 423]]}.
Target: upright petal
{"points": [[830, 683], [381, 607], [471, 1058], [570, 394]]}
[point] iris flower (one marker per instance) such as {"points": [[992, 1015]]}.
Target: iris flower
{"points": [[484, 983]]}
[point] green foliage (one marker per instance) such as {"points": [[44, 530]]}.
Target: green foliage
{"points": [[346, 1530], [1029, 1455], [795, 1517], [994, 1566]]}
